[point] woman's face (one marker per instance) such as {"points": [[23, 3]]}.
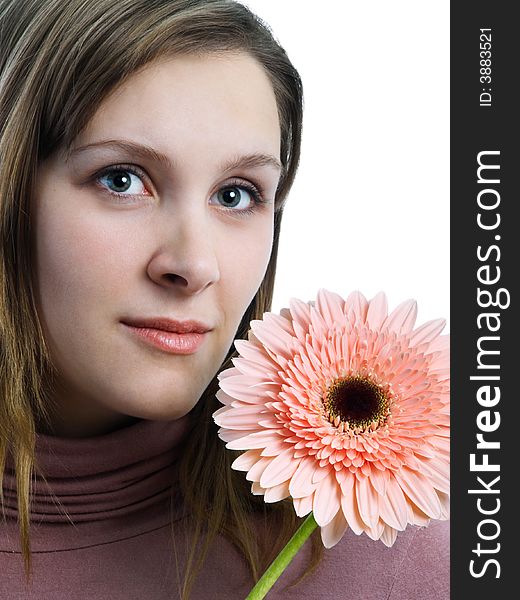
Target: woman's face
{"points": [[154, 215]]}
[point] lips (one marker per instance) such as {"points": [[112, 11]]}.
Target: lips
{"points": [[168, 335], [171, 325]]}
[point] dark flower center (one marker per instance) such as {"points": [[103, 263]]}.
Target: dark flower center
{"points": [[357, 401]]}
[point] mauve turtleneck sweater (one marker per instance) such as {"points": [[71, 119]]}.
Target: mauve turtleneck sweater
{"points": [[111, 539]]}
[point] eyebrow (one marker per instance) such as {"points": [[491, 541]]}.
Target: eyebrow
{"points": [[249, 160]]}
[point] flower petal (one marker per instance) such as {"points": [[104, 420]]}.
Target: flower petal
{"points": [[375, 532], [402, 319], [301, 482], [321, 472], [253, 370], [254, 354], [388, 536], [368, 501], [417, 517], [356, 307], [327, 500], [301, 313], [246, 460], [280, 469], [255, 472], [223, 397], [437, 472], [394, 507], [444, 499], [259, 439], [330, 306], [441, 343], [228, 435], [332, 533], [240, 387], [427, 332], [420, 491], [277, 493], [379, 480], [240, 418], [275, 339], [273, 320], [302, 506], [377, 311], [346, 480], [350, 510], [318, 327], [257, 489]]}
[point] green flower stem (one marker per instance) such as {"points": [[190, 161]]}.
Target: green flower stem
{"points": [[276, 568]]}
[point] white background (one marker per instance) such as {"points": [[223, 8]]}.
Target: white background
{"points": [[369, 209]]}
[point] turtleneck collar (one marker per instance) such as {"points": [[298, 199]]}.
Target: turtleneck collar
{"points": [[102, 477]]}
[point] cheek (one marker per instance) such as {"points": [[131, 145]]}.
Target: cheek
{"points": [[244, 263], [79, 262]]}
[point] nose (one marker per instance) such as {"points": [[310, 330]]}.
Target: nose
{"points": [[186, 259]]}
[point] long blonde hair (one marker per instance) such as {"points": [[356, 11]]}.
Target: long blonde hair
{"points": [[58, 61]]}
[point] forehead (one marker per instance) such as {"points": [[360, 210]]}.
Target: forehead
{"points": [[218, 101]]}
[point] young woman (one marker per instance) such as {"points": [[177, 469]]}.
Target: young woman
{"points": [[146, 151]]}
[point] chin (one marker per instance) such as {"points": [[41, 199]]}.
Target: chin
{"points": [[159, 408]]}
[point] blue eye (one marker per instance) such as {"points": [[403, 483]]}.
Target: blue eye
{"points": [[235, 196], [123, 181], [239, 198]]}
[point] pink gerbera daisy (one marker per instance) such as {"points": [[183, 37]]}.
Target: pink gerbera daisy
{"points": [[345, 408]]}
